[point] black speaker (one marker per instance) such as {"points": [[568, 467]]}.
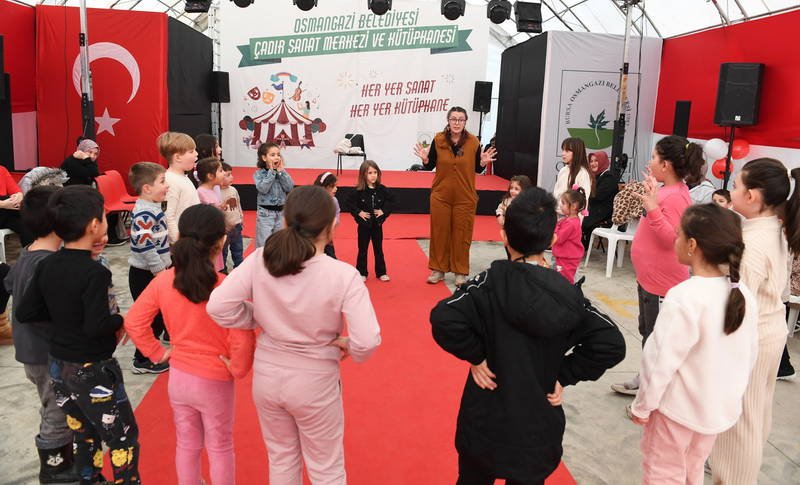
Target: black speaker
{"points": [[739, 93], [482, 99], [680, 126], [528, 16], [220, 87]]}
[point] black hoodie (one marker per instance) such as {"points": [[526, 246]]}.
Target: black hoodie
{"points": [[522, 319]]}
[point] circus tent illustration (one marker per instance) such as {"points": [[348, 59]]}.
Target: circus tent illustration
{"points": [[284, 126]]}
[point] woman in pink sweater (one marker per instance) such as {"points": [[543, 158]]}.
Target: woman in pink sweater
{"points": [[657, 268], [204, 358], [303, 300]]}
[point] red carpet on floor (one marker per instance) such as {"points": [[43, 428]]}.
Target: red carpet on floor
{"points": [[349, 178], [398, 226], [400, 406]]}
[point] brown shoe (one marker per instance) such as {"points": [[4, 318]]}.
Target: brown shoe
{"points": [[435, 277], [5, 330]]}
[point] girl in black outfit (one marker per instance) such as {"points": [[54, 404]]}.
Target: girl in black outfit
{"points": [[370, 205]]}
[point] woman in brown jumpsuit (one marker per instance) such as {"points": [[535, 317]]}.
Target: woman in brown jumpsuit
{"points": [[457, 156]]}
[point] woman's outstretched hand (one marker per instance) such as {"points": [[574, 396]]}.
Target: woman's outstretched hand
{"points": [[422, 152], [488, 155]]}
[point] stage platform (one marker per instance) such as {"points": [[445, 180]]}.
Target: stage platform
{"points": [[411, 189]]}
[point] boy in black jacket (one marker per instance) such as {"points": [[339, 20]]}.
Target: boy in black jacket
{"points": [[514, 323], [70, 289]]}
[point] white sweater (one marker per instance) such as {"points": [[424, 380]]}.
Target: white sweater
{"points": [[583, 179], [691, 371], [180, 196]]}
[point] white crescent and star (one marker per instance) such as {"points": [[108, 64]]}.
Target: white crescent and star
{"points": [[109, 50]]}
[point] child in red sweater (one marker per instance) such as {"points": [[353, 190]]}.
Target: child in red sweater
{"points": [[206, 358], [568, 248]]}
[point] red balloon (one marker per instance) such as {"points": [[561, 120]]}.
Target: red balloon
{"points": [[718, 169], [740, 149]]}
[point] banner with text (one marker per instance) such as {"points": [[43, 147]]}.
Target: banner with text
{"points": [[304, 80]]}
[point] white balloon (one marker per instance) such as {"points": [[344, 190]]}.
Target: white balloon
{"points": [[715, 149]]}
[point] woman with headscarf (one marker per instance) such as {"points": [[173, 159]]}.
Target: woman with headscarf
{"points": [[601, 203], [81, 166]]}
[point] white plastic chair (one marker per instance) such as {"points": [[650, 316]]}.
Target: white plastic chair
{"points": [[3, 234], [794, 312], [616, 243]]}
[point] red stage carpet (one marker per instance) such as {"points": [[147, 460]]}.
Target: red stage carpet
{"points": [[400, 406], [391, 179], [398, 226]]}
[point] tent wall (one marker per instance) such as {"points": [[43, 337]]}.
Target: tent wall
{"points": [[190, 62], [690, 71]]}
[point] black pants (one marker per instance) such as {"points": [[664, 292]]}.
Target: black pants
{"points": [[472, 473], [649, 306], [92, 395], [4, 295], [365, 235], [138, 279], [10, 219]]}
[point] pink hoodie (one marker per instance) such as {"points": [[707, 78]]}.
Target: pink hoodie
{"points": [[300, 314], [652, 251]]}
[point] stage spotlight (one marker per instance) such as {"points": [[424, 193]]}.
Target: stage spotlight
{"points": [[305, 5], [453, 9], [379, 7], [241, 3], [498, 11], [528, 16], [194, 6]]}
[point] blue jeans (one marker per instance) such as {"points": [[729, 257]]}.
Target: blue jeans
{"points": [[267, 223], [234, 241]]}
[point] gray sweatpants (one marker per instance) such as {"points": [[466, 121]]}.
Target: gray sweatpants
{"points": [[53, 430]]}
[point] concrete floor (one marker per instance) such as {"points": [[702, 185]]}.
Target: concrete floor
{"points": [[600, 445]]}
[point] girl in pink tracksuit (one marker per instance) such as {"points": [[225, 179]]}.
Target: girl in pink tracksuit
{"points": [[568, 248], [303, 300], [204, 358]]}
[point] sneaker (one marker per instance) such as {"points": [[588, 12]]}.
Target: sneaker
{"points": [[435, 277], [629, 388], [384, 277], [786, 374], [148, 367], [628, 411], [460, 279], [117, 242]]}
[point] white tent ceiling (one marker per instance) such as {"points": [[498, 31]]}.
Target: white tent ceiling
{"points": [[657, 18]]}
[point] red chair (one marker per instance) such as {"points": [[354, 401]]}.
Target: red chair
{"points": [[116, 196]]}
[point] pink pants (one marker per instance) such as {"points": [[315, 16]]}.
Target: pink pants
{"points": [[302, 420], [203, 412], [568, 267], [672, 453]]}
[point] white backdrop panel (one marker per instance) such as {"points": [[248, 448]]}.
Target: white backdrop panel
{"points": [[308, 78]]}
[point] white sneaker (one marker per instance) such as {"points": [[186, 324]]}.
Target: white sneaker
{"points": [[629, 388], [435, 277], [384, 277]]}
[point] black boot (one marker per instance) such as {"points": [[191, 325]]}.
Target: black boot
{"points": [[57, 465]]}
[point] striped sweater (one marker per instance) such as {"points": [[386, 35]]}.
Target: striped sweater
{"points": [[149, 237]]}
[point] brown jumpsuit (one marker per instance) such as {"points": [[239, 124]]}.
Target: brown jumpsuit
{"points": [[453, 204]]}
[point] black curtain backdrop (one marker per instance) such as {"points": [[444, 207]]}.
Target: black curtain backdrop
{"points": [[6, 135], [519, 117], [190, 62]]}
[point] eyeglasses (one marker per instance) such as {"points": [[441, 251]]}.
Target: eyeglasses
{"points": [[457, 120]]}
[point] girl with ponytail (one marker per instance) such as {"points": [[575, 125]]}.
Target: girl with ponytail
{"points": [[666, 197], [204, 358], [302, 300], [697, 362], [763, 196]]}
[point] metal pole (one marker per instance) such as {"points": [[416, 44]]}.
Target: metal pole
{"points": [[87, 96], [619, 160], [728, 159]]}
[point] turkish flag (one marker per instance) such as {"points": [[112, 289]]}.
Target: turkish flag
{"points": [[128, 54]]}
